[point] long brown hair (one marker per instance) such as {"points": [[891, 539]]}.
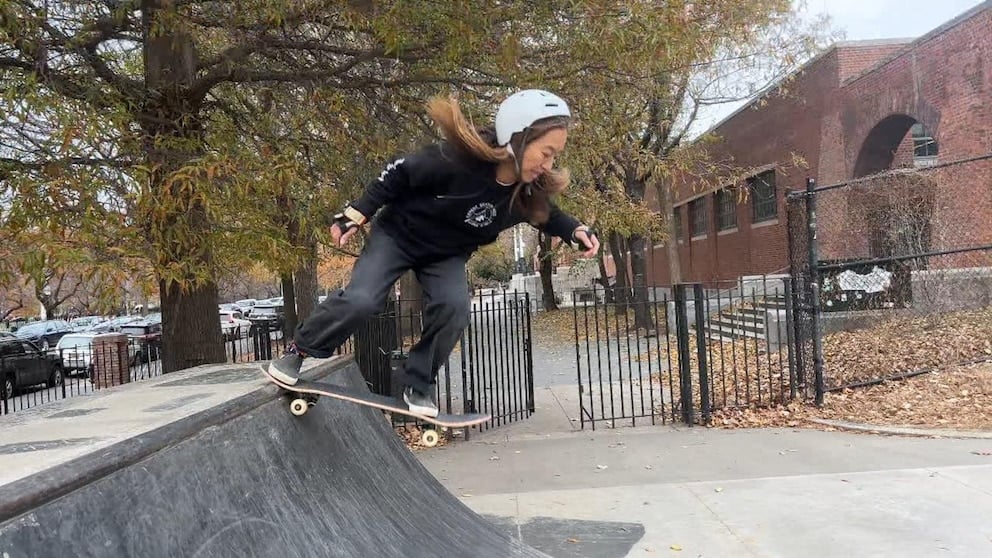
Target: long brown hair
{"points": [[532, 200]]}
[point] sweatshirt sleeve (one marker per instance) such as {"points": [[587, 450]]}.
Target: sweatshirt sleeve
{"points": [[560, 224], [392, 182]]}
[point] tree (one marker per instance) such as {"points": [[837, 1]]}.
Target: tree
{"points": [[114, 107], [254, 281], [156, 131], [491, 265], [679, 58], [16, 300], [546, 266]]}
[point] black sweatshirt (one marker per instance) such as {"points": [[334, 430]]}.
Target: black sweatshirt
{"points": [[438, 202]]}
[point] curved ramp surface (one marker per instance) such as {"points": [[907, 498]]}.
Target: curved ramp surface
{"points": [[253, 481]]}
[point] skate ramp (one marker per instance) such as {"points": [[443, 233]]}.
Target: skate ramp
{"points": [[248, 479]]}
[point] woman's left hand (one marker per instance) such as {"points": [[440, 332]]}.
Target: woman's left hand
{"points": [[587, 239]]}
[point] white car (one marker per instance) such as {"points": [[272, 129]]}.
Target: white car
{"points": [[233, 324], [76, 351]]}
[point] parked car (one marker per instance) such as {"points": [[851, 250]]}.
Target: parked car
{"points": [[23, 364], [233, 324], [153, 318], [271, 317], [245, 305], [113, 324], [76, 352], [44, 334], [84, 322], [147, 337]]}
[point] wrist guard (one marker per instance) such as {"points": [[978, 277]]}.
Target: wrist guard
{"points": [[348, 219]]}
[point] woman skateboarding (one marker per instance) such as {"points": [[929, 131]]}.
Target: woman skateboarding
{"points": [[438, 205]]}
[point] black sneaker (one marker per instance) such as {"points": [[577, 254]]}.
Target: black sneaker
{"points": [[286, 368], [419, 403]]}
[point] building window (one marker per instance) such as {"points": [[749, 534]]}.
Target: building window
{"points": [[764, 201], [697, 216], [677, 216], [726, 209], [924, 145]]}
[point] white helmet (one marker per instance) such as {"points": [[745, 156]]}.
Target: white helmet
{"points": [[523, 108]]}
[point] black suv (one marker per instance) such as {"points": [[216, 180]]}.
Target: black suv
{"points": [[23, 364], [267, 318], [45, 334]]}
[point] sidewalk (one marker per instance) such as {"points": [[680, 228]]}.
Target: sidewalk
{"points": [[679, 491]]}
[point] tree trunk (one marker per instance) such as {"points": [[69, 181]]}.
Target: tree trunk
{"points": [[622, 287], [410, 307], [171, 122], [546, 269], [667, 198], [185, 337], [289, 305], [306, 283], [604, 278], [638, 266]]}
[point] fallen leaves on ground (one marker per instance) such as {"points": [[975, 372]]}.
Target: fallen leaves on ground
{"points": [[955, 398], [903, 344], [410, 434], [752, 386], [557, 326]]}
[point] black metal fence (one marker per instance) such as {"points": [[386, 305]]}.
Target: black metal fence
{"points": [[489, 371], [31, 377], [83, 364], [892, 274], [683, 351], [261, 340]]}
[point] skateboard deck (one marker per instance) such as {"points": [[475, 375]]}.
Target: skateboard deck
{"points": [[385, 403]]}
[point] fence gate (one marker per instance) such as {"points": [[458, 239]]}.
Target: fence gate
{"points": [[622, 353], [681, 353]]}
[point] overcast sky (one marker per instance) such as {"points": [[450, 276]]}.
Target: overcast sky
{"points": [[888, 19], [872, 19]]}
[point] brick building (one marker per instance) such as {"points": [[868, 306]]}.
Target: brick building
{"points": [[856, 109]]}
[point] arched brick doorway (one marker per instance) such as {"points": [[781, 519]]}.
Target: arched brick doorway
{"points": [[894, 212], [897, 140]]}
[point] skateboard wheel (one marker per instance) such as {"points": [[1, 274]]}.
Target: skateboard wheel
{"points": [[299, 407], [429, 438]]}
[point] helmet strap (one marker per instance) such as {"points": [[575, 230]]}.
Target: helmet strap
{"points": [[518, 161]]}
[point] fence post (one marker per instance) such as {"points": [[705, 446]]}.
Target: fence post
{"points": [[814, 286], [529, 350], [682, 338], [699, 298], [468, 406], [6, 397], [797, 362], [791, 342]]}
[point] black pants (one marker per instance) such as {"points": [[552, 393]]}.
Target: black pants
{"points": [[379, 266]]}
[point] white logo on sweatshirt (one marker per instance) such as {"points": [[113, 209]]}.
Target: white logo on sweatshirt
{"points": [[389, 167], [481, 215]]}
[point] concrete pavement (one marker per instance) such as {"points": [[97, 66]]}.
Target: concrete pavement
{"points": [[664, 490]]}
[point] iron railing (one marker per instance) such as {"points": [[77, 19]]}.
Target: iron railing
{"points": [[489, 371], [685, 353]]}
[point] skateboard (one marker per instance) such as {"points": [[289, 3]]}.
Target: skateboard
{"points": [[309, 391]]}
